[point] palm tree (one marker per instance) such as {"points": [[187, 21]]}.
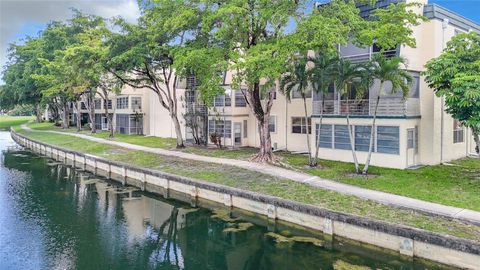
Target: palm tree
{"points": [[322, 76], [387, 69], [298, 80], [348, 76]]}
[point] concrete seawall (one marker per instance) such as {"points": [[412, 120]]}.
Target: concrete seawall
{"points": [[405, 240]]}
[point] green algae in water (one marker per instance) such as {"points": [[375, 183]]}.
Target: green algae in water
{"points": [[223, 215], [342, 265], [295, 239], [238, 227]]}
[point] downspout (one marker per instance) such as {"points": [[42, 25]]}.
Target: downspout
{"points": [[442, 106], [286, 125]]}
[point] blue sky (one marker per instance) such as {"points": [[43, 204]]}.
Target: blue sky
{"points": [[467, 8], [19, 19]]}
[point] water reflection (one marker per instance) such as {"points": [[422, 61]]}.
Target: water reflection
{"points": [[53, 217]]}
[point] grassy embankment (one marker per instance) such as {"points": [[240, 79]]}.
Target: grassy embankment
{"points": [[7, 121], [258, 182], [457, 185]]}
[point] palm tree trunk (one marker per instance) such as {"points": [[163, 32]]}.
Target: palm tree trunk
{"points": [[309, 147], [372, 132], [352, 145], [317, 145], [351, 137]]}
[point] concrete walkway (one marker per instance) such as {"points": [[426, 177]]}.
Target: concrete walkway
{"points": [[378, 196]]}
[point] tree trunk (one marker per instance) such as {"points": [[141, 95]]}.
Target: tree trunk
{"points": [[311, 163], [265, 153], [108, 116], [91, 113], [352, 145], [65, 116], [79, 116], [317, 144], [372, 132], [178, 130], [38, 113], [350, 135]]}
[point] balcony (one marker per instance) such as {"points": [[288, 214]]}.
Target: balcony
{"points": [[388, 106]]}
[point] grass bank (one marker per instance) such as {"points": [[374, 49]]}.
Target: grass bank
{"points": [[455, 185], [7, 121], [262, 183]]}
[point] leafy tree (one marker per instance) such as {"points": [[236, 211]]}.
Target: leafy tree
{"points": [[391, 70], [298, 80], [19, 86], [347, 76], [259, 41], [321, 78], [454, 75], [88, 55], [145, 55]]}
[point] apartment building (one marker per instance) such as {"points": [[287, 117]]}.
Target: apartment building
{"points": [[129, 110], [410, 132]]}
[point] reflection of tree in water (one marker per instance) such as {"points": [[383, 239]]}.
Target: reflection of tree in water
{"points": [[166, 242]]}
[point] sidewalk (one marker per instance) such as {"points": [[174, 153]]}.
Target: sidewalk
{"points": [[378, 196]]}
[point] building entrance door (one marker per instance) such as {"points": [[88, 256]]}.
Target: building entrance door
{"points": [[237, 129], [412, 147], [104, 123]]}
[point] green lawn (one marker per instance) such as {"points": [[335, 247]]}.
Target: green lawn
{"points": [[457, 185], [262, 183], [9, 121]]}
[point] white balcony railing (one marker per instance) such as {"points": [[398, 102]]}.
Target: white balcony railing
{"points": [[388, 106]]}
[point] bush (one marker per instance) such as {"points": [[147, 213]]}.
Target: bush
{"points": [[22, 110]]}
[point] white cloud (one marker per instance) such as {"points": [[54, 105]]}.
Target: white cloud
{"points": [[18, 14]]}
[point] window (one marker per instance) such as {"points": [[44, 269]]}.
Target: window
{"points": [[240, 99], [298, 94], [136, 103], [219, 127], [109, 104], [362, 138], [342, 139], [457, 132], [326, 138], [299, 125], [222, 100], [191, 82], [122, 103], [83, 106], [415, 87], [245, 129], [98, 104], [263, 94], [122, 123], [388, 141], [272, 123]]}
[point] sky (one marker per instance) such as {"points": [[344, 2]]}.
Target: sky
{"points": [[21, 18]]}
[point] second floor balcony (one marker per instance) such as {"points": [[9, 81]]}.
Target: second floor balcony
{"points": [[388, 106]]}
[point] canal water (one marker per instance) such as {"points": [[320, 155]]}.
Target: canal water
{"points": [[53, 217]]}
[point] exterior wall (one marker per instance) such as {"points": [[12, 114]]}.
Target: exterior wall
{"points": [[160, 122], [436, 127], [398, 161]]}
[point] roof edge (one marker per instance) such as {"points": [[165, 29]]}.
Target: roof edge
{"points": [[434, 11]]}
